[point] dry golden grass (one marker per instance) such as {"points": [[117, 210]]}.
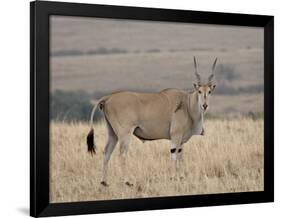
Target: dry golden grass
{"points": [[229, 158]]}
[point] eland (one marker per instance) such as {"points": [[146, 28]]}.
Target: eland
{"points": [[171, 114]]}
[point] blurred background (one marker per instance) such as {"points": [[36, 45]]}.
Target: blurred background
{"points": [[92, 57]]}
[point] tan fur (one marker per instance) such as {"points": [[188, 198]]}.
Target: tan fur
{"points": [[147, 115]]}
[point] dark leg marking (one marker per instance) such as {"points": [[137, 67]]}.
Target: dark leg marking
{"points": [[173, 150], [129, 184], [104, 183], [179, 151]]}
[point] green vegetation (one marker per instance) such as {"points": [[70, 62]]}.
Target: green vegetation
{"points": [[251, 115], [224, 89], [71, 106], [226, 72]]}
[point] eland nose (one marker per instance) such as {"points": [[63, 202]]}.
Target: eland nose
{"points": [[205, 106]]}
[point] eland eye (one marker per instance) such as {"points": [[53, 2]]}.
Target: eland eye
{"points": [[199, 92], [209, 92]]}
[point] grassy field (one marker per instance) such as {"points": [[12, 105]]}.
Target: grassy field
{"points": [[229, 158]]}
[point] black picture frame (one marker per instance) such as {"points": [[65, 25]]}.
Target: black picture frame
{"points": [[39, 107]]}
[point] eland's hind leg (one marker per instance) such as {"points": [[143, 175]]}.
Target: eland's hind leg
{"points": [[124, 142], [110, 145]]}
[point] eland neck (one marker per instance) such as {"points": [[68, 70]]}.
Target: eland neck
{"points": [[194, 108]]}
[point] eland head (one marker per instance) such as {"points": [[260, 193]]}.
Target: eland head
{"points": [[204, 90]]}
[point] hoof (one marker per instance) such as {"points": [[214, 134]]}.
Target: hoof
{"points": [[129, 184], [104, 183]]}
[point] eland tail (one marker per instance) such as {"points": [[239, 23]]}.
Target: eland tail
{"points": [[90, 137]]}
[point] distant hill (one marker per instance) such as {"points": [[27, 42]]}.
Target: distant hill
{"points": [[99, 56]]}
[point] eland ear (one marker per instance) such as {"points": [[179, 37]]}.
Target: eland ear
{"points": [[212, 87], [196, 86]]}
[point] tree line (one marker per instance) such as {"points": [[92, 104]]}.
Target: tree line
{"points": [[72, 106]]}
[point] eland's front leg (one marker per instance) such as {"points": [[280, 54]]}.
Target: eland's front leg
{"points": [[181, 162], [174, 151]]}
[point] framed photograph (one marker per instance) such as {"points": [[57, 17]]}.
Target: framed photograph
{"points": [[143, 108]]}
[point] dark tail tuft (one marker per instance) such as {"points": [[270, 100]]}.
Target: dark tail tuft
{"points": [[90, 142]]}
